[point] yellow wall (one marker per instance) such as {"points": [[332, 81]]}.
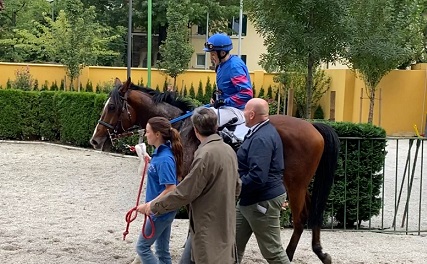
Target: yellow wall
{"points": [[402, 105], [103, 75]]}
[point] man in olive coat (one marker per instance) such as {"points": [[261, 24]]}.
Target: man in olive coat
{"points": [[210, 188]]}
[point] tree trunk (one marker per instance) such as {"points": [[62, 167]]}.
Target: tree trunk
{"points": [[174, 84], [309, 86], [371, 104]]}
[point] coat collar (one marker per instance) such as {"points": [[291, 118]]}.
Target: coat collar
{"points": [[211, 138]]}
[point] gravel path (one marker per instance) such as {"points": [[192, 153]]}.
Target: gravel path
{"points": [[67, 205]]}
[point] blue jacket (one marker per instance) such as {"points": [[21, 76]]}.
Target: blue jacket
{"points": [[233, 79], [161, 171], [261, 165]]}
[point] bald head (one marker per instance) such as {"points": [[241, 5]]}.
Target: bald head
{"points": [[256, 110], [259, 106]]}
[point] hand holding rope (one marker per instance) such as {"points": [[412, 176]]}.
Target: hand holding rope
{"points": [[132, 213]]}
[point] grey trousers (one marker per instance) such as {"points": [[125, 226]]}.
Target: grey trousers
{"points": [[262, 219]]}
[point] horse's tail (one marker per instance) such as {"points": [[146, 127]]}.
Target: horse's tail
{"points": [[325, 172]]}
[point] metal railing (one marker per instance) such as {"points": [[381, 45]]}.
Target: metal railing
{"points": [[402, 192]]}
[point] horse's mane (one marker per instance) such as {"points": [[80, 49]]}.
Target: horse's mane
{"points": [[171, 98]]}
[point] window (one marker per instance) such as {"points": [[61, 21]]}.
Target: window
{"points": [[200, 60], [243, 57], [201, 29], [233, 24]]}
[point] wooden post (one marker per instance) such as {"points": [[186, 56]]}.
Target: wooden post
{"points": [[290, 109], [332, 106]]}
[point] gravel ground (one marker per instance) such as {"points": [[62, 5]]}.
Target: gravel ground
{"points": [[67, 205]]}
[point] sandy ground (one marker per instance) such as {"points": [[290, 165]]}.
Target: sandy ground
{"points": [[67, 205]]}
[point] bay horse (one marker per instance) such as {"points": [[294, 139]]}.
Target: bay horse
{"points": [[309, 150]]}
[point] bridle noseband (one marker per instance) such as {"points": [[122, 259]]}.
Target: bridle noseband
{"points": [[113, 130]]}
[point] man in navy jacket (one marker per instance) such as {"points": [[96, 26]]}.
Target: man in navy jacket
{"points": [[261, 167]]}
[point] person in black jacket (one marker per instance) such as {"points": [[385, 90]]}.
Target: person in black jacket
{"points": [[261, 166]]}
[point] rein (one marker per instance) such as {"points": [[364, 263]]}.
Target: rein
{"points": [[132, 213], [184, 116]]}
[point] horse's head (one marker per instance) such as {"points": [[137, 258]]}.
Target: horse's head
{"points": [[117, 116]]}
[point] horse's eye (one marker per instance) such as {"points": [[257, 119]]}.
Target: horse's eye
{"points": [[111, 107]]}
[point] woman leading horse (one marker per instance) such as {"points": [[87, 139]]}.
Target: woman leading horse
{"points": [[310, 149]]}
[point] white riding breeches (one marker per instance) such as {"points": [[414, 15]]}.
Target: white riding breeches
{"points": [[226, 113]]}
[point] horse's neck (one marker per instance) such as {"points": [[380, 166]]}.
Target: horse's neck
{"points": [[145, 108]]}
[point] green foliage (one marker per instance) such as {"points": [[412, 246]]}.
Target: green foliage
{"points": [[89, 86], [36, 85], [165, 85], [318, 113], [30, 123], [299, 34], [76, 128], [10, 115], [361, 174], [176, 51], [192, 93], [383, 34], [298, 81], [285, 218], [54, 86], [254, 90], [45, 86], [9, 84], [208, 92], [272, 104], [185, 93], [105, 87], [270, 92], [200, 93], [62, 86], [49, 123], [261, 92], [23, 79]]}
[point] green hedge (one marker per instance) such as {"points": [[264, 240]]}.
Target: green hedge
{"points": [[359, 173]]}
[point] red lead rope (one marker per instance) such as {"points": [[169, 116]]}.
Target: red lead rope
{"points": [[132, 213]]}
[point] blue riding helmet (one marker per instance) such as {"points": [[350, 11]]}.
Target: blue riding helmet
{"points": [[218, 42]]}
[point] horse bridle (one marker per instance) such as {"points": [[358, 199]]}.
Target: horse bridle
{"points": [[114, 135]]}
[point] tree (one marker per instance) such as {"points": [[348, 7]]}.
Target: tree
{"points": [[298, 33], [321, 84], [75, 39], [176, 50], [383, 35]]}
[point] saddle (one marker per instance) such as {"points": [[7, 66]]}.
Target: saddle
{"points": [[233, 134]]}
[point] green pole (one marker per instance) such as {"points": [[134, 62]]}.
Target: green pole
{"points": [[149, 36]]}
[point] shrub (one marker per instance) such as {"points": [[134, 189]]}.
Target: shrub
{"points": [[54, 86], [208, 91], [318, 113], [89, 86], [23, 79], [36, 85], [361, 174], [200, 95], [192, 93], [261, 92]]}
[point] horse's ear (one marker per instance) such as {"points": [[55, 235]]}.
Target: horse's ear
{"points": [[126, 86], [117, 82]]}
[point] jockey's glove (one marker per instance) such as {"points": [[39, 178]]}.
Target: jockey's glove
{"points": [[218, 103]]}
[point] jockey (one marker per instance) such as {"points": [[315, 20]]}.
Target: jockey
{"points": [[232, 80]]}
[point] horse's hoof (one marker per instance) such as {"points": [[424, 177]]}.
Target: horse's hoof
{"points": [[327, 259]]}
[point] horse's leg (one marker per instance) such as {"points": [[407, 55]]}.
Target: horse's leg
{"points": [[298, 203], [317, 248]]}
